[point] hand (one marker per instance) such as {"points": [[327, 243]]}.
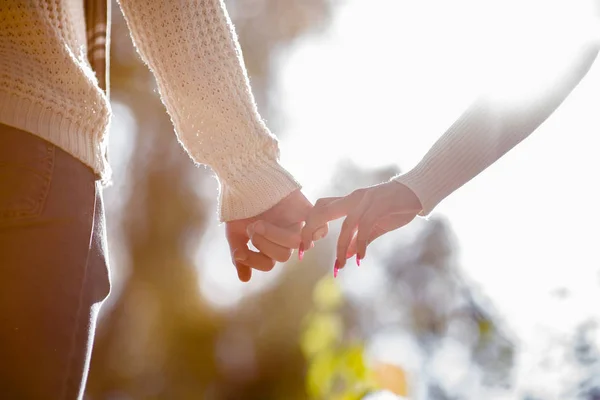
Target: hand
{"points": [[370, 213], [274, 233]]}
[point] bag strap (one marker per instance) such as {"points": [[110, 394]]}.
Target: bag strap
{"points": [[97, 18]]}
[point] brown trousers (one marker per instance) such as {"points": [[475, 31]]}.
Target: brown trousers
{"points": [[53, 268]]}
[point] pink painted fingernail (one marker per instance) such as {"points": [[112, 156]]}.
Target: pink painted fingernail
{"points": [[336, 268], [358, 260], [301, 251]]}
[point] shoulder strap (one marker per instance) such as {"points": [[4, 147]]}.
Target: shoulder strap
{"points": [[97, 18]]}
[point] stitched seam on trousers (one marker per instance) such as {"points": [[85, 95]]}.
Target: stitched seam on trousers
{"points": [[71, 355]]}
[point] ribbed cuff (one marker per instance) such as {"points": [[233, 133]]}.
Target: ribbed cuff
{"points": [[254, 188], [84, 140], [469, 146], [416, 181]]}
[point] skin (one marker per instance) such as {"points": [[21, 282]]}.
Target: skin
{"points": [[369, 213], [294, 224], [275, 233]]}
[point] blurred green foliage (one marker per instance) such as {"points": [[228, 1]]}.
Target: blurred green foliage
{"points": [[336, 370], [337, 367]]}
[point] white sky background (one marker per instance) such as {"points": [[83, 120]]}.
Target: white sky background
{"points": [[392, 75], [366, 92], [383, 84]]}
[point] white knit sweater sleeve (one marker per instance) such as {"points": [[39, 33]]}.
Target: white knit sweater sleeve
{"points": [[485, 132], [192, 49]]}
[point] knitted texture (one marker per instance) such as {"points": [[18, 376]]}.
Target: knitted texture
{"points": [[46, 84], [48, 88]]}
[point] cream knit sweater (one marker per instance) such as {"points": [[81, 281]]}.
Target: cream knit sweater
{"points": [[47, 88], [488, 129]]}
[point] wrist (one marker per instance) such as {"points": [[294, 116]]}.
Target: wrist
{"points": [[422, 194], [409, 199], [253, 186]]}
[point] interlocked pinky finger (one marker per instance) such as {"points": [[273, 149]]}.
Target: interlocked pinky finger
{"points": [[317, 220]]}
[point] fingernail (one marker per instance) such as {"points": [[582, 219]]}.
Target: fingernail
{"points": [[358, 260], [336, 268], [240, 256], [259, 228], [301, 251]]}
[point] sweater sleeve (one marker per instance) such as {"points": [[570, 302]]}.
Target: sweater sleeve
{"points": [[192, 49], [486, 131]]}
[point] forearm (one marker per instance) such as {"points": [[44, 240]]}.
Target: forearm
{"points": [[192, 49], [484, 133]]}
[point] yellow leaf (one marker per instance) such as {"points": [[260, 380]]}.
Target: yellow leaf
{"points": [[347, 396], [320, 375], [352, 362], [391, 377], [327, 294], [322, 331], [485, 327]]}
